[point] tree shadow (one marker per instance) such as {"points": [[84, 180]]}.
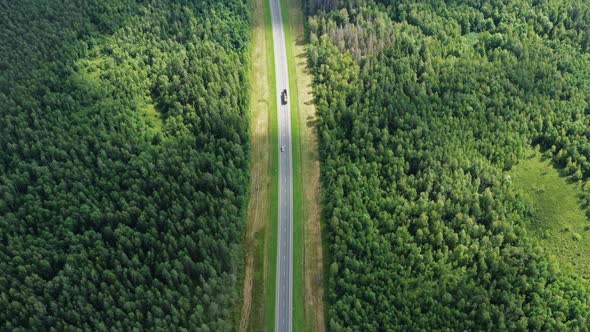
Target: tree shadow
{"points": [[311, 122]]}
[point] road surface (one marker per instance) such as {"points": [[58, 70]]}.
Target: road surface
{"points": [[284, 284]]}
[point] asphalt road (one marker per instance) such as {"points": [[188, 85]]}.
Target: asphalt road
{"points": [[284, 284]]}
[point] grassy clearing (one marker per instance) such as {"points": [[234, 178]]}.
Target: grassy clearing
{"points": [[558, 222], [151, 117], [87, 77], [307, 245], [257, 312]]}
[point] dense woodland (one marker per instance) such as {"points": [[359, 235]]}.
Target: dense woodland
{"points": [[124, 155], [423, 107]]}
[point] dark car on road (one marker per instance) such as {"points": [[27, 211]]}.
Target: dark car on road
{"points": [[284, 97]]}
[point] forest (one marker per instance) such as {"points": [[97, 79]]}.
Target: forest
{"points": [[124, 163], [423, 107]]}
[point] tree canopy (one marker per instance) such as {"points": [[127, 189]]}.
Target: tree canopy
{"points": [[125, 163], [423, 106]]}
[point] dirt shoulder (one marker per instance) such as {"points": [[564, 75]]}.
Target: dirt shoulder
{"points": [[312, 239], [258, 230]]}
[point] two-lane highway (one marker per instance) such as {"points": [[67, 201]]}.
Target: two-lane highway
{"points": [[284, 281]]}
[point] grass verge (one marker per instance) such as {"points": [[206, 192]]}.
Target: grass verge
{"points": [[257, 312], [558, 221], [307, 245]]}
